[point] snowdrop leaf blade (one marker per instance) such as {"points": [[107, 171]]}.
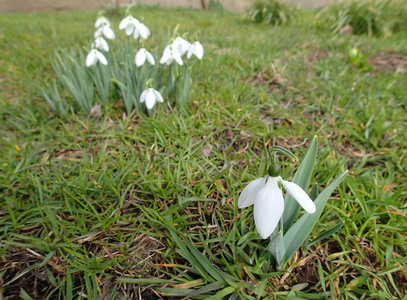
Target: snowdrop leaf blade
{"points": [[301, 229], [299, 195], [268, 209], [277, 248], [249, 193], [327, 233], [302, 178]]}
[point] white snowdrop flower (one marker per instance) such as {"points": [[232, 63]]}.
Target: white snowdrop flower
{"points": [[129, 24], [102, 21], [169, 55], [94, 56], [106, 31], [266, 195], [101, 44], [142, 31], [196, 49], [141, 57], [151, 96], [181, 45]]}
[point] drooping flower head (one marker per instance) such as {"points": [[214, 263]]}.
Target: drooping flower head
{"points": [[141, 31], [94, 56], [101, 44], [102, 21], [129, 24], [181, 45], [169, 55], [267, 196], [195, 49], [151, 96], [106, 31], [141, 57]]}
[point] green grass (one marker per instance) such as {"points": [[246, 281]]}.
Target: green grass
{"points": [[118, 205]]}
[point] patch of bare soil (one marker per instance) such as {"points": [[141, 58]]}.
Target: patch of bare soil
{"points": [[389, 62], [271, 79]]}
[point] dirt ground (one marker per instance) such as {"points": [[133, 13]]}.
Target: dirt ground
{"points": [[30, 6]]}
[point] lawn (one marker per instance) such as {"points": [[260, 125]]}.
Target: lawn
{"points": [[119, 206]]}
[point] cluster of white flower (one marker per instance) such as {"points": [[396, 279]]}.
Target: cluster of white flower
{"points": [[178, 48], [102, 29], [172, 52]]}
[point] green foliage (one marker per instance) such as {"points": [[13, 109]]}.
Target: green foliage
{"points": [[359, 60], [88, 206], [120, 79], [371, 17], [273, 12]]}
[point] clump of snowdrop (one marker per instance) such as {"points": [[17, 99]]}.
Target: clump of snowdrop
{"points": [[274, 215], [111, 73]]}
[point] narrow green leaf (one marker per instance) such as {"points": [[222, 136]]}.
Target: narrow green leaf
{"points": [[297, 234], [302, 177], [327, 233]]}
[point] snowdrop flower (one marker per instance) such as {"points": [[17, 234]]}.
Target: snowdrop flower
{"points": [[94, 56], [129, 24], [170, 54], [142, 31], [101, 44], [141, 57], [266, 195], [102, 21], [106, 31], [150, 96], [181, 45], [196, 49]]}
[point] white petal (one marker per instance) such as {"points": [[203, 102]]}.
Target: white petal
{"points": [[123, 24], [300, 195], [143, 96], [199, 51], [249, 193], [177, 57], [158, 96], [150, 99], [150, 58], [190, 51], [143, 31], [136, 33], [101, 58], [102, 44], [165, 57], [129, 29], [108, 32], [135, 22], [91, 58], [140, 58], [268, 208], [98, 32]]}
